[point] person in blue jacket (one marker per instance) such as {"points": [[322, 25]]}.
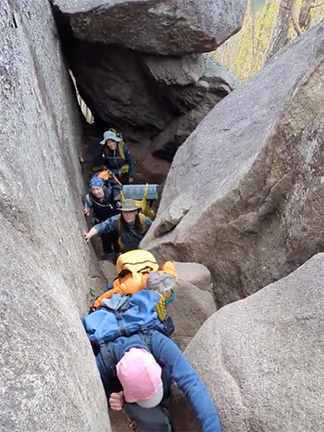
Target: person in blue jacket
{"points": [[141, 380], [130, 225], [115, 156]]}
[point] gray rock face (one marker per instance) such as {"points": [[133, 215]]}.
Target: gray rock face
{"points": [[116, 88], [194, 301], [155, 26], [182, 70], [194, 273], [262, 358], [194, 102], [149, 96], [48, 377], [244, 195], [190, 310]]}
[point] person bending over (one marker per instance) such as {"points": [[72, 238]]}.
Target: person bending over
{"points": [[142, 377]]}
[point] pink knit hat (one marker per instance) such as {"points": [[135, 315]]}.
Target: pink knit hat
{"points": [[140, 376]]}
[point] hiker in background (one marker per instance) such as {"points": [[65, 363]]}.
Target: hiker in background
{"points": [[130, 226], [115, 156], [103, 201]]}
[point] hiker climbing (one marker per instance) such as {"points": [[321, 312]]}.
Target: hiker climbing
{"points": [[115, 156], [137, 361], [137, 270], [130, 225], [103, 200]]}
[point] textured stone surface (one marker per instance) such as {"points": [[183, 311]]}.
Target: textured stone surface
{"points": [[189, 311], [109, 270], [183, 70], [148, 96], [116, 88], [48, 377], [194, 101], [244, 195], [196, 274], [194, 301], [155, 26], [262, 358]]}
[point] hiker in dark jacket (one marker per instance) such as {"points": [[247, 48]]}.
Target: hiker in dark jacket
{"points": [[104, 201], [130, 224], [115, 156], [142, 378]]}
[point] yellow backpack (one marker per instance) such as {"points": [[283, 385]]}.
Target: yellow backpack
{"points": [[136, 261], [143, 204]]}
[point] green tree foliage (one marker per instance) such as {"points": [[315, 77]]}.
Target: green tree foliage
{"points": [[244, 53]]}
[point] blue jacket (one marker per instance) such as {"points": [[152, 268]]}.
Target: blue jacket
{"points": [[169, 356], [130, 237], [112, 159]]}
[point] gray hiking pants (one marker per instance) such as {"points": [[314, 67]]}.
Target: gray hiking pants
{"points": [[148, 419]]}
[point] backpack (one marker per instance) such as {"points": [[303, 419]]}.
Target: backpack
{"points": [[125, 315], [136, 261], [121, 143], [143, 203]]}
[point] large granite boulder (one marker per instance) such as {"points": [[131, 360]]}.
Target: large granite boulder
{"points": [[182, 71], [193, 101], [196, 274], [114, 85], [48, 376], [194, 301], [244, 195], [262, 358], [148, 96], [159, 27], [159, 93]]}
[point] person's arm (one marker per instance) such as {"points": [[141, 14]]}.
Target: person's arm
{"points": [[109, 225], [129, 159], [130, 286], [166, 351], [116, 401], [112, 386], [95, 158], [88, 235], [87, 205], [168, 267]]}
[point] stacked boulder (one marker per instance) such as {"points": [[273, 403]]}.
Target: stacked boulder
{"points": [[139, 66], [262, 358], [245, 193], [48, 376]]}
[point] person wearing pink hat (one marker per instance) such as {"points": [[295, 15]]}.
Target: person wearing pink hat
{"points": [[140, 377], [141, 380]]}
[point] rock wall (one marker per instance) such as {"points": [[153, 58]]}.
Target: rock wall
{"points": [[155, 26], [245, 193], [262, 358], [194, 301], [48, 377], [139, 66]]}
